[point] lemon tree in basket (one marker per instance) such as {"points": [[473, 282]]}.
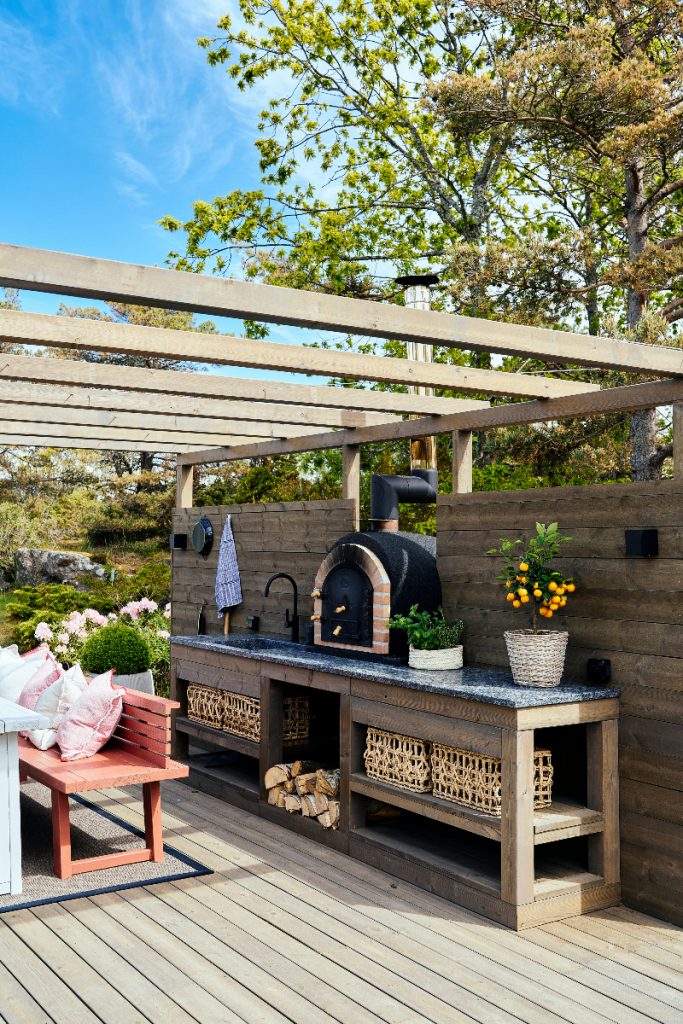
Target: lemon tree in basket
{"points": [[434, 642], [532, 585]]}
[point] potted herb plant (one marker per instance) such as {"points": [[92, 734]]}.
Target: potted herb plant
{"points": [[434, 642], [536, 655]]}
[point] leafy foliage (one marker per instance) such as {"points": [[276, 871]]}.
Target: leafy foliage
{"points": [[49, 603], [529, 569], [116, 646], [429, 631]]}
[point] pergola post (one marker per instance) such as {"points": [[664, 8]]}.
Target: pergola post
{"points": [[351, 478], [462, 462], [677, 438], [183, 490]]}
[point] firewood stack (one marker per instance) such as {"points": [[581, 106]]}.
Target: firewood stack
{"points": [[303, 788]]}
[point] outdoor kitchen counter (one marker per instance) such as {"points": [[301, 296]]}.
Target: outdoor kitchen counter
{"points": [[484, 685]]}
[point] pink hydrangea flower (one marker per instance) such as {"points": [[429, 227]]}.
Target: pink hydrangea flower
{"points": [[163, 633], [63, 638], [43, 632], [61, 649]]}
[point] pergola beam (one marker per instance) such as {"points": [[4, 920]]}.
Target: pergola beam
{"points": [[329, 406], [63, 273], [155, 420], [172, 440], [24, 440], [225, 350], [623, 399]]}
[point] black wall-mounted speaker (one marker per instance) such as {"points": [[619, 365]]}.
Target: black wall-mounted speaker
{"points": [[178, 542], [641, 543]]}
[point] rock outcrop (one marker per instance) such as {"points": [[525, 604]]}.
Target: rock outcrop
{"points": [[34, 567]]}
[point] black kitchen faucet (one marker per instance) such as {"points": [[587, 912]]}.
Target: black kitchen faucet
{"points": [[292, 623]]}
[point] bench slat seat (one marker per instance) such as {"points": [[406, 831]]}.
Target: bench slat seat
{"points": [[137, 754]]}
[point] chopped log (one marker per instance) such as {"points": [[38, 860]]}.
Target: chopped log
{"points": [[321, 802], [308, 807], [281, 797], [274, 794], [328, 782], [305, 783], [277, 775], [290, 786], [333, 810], [327, 821], [301, 767], [293, 803]]}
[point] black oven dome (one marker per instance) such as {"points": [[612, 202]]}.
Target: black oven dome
{"points": [[410, 563]]}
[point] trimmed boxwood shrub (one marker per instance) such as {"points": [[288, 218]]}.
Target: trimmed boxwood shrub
{"points": [[117, 646]]}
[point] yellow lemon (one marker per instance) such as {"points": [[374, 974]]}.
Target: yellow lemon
{"points": [[523, 567], [571, 587], [516, 604], [552, 585], [522, 591], [538, 593], [543, 611], [549, 614], [510, 597], [560, 591], [524, 598]]}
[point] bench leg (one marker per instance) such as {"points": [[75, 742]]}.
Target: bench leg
{"points": [[151, 793], [61, 835]]}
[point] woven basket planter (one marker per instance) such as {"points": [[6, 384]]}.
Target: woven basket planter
{"points": [[241, 716], [403, 761], [474, 780], [447, 659], [536, 659]]}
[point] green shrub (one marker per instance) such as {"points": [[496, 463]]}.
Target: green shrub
{"points": [[49, 602], [117, 646]]}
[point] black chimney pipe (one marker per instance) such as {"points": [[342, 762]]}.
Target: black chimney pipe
{"points": [[420, 488]]}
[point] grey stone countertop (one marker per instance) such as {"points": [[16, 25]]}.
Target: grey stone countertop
{"points": [[487, 685]]}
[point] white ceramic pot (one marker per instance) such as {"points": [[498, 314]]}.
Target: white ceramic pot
{"points": [[447, 659], [142, 681], [536, 659]]}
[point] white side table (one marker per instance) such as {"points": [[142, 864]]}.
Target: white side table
{"points": [[13, 719]]}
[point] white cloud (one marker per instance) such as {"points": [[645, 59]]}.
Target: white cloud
{"points": [[31, 66]]}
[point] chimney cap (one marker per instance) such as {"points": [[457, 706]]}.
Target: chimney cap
{"points": [[410, 279]]}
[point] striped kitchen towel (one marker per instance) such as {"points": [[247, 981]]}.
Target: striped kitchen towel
{"points": [[228, 587]]}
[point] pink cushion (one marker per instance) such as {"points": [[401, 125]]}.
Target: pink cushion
{"points": [[44, 676], [92, 720]]}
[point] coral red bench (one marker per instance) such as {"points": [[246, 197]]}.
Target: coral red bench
{"points": [[138, 752]]}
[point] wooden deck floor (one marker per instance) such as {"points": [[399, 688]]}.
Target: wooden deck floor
{"points": [[287, 931]]}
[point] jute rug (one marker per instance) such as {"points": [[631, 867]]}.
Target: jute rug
{"points": [[94, 831]]}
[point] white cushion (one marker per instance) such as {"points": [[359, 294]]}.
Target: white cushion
{"points": [[15, 672], [54, 703]]}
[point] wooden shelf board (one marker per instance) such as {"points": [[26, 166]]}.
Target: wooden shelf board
{"points": [[309, 827], [217, 737], [562, 820]]}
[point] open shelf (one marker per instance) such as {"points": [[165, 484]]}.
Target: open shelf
{"points": [[217, 737], [220, 771], [562, 820]]}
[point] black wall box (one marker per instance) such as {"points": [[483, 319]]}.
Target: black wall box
{"points": [[178, 542], [599, 670], [641, 543]]}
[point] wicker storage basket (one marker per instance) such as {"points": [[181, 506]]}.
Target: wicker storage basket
{"points": [[447, 659], [401, 760], [241, 716], [536, 659], [474, 780], [205, 705]]}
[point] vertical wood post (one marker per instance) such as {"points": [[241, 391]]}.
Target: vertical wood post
{"points": [[351, 478], [183, 487], [462, 462], [517, 817], [603, 795], [677, 438]]}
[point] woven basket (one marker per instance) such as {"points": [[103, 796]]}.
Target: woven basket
{"points": [[401, 760], [536, 659], [205, 705], [241, 716], [443, 660], [474, 780]]}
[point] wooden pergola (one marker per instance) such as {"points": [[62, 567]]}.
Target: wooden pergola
{"points": [[210, 418]]}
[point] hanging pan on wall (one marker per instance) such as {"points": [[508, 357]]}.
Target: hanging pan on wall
{"points": [[202, 537]]}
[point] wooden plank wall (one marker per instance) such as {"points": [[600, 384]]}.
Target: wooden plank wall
{"points": [[288, 537], [628, 610]]}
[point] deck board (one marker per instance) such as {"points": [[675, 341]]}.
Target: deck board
{"points": [[290, 931]]}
